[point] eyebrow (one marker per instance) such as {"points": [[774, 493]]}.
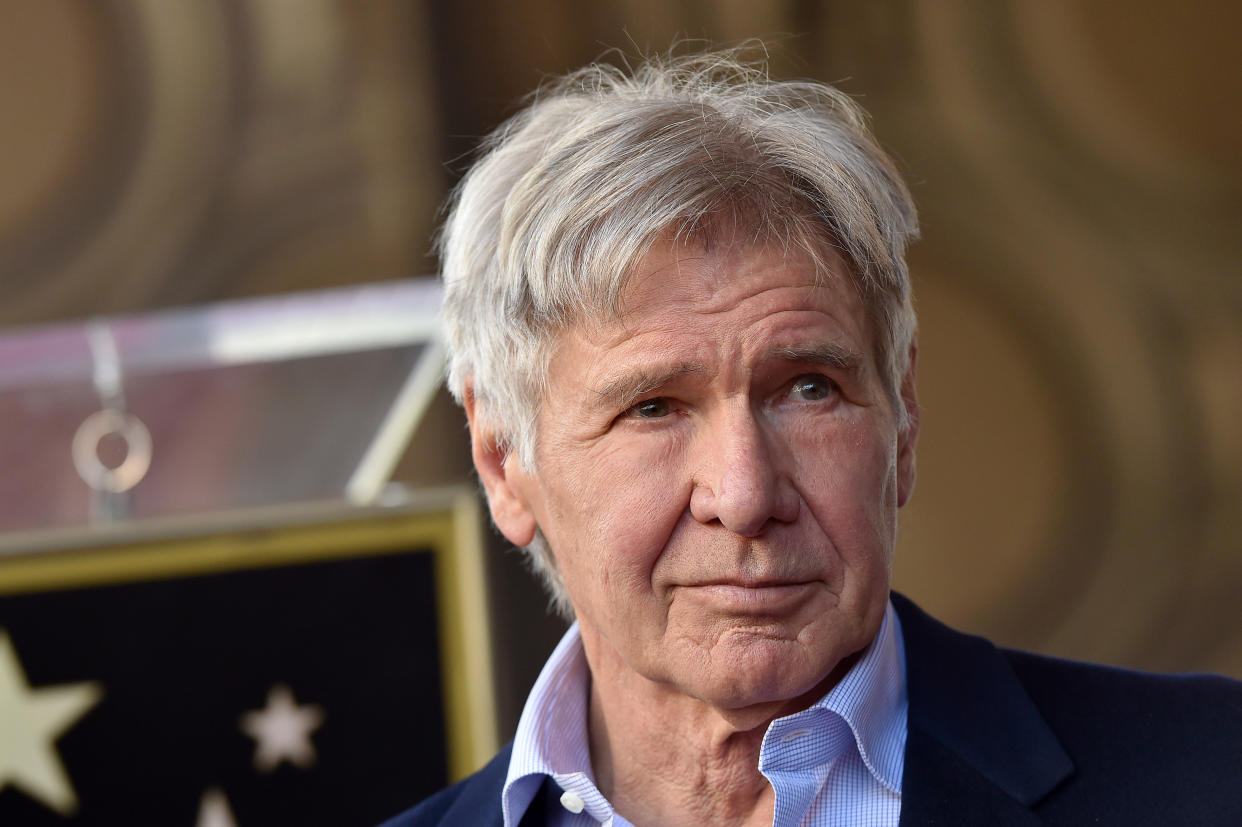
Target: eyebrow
{"points": [[623, 391], [826, 354]]}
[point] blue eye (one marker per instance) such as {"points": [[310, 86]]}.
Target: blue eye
{"points": [[650, 409], [812, 388]]}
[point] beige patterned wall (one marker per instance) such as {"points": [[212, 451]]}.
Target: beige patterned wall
{"points": [[1076, 163], [158, 153], [1082, 325]]}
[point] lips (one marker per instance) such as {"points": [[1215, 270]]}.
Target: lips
{"points": [[752, 582], [750, 596]]}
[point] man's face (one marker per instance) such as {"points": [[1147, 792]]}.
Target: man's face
{"points": [[718, 473]]}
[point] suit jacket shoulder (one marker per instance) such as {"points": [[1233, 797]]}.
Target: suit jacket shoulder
{"points": [[475, 800], [1167, 747], [1003, 737]]}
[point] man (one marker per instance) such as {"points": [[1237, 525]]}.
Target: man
{"points": [[680, 324]]}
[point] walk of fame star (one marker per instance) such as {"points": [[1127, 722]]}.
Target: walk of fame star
{"points": [[214, 810], [30, 722], [282, 730]]}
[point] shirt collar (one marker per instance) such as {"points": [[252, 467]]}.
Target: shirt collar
{"points": [[552, 739], [870, 699]]}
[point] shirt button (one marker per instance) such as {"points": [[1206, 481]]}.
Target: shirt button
{"points": [[571, 801], [793, 736]]}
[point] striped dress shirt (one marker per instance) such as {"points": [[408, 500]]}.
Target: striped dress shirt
{"points": [[837, 763]]}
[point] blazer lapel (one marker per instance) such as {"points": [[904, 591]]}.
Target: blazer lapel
{"points": [[977, 749], [477, 802]]}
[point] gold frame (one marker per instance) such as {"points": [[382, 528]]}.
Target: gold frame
{"points": [[447, 520]]}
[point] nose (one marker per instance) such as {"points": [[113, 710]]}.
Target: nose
{"points": [[739, 480]]}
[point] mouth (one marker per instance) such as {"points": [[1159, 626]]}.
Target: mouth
{"points": [[751, 597]]}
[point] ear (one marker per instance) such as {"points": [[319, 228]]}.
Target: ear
{"points": [[908, 438], [503, 479]]}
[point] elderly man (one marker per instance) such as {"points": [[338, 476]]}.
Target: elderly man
{"points": [[681, 328]]}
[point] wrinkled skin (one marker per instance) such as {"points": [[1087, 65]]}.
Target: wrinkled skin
{"points": [[718, 474]]}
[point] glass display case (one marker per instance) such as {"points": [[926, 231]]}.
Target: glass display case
{"points": [[115, 425]]}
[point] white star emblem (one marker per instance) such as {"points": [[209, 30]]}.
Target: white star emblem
{"points": [[282, 730], [30, 723], [214, 810]]}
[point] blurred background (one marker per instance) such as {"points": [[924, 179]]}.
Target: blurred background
{"points": [[1077, 170]]}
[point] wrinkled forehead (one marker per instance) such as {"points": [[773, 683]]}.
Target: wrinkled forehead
{"points": [[733, 245]]}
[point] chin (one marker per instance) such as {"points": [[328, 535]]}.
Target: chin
{"points": [[763, 671]]}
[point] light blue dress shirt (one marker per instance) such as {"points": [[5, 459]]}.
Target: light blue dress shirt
{"points": [[837, 763]]}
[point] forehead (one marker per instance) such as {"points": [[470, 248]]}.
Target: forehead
{"points": [[678, 283], [694, 314]]}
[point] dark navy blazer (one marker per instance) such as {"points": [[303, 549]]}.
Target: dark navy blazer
{"points": [[997, 737]]}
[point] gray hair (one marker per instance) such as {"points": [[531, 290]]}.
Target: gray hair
{"points": [[570, 194]]}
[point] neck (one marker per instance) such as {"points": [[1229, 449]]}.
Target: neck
{"points": [[662, 757]]}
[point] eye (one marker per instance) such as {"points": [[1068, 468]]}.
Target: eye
{"points": [[812, 388], [650, 409]]}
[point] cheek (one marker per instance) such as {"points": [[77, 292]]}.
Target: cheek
{"points": [[617, 509], [848, 479]]}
